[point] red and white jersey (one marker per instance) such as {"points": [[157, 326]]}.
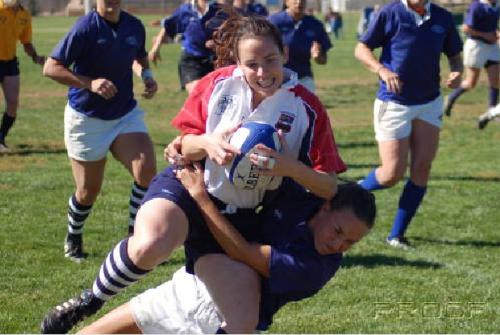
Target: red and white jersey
{"points": [[223, 99]]}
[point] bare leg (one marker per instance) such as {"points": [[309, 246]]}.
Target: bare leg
{"points": [[119, 321], [424, 146], [394, 161], [235, 289]]}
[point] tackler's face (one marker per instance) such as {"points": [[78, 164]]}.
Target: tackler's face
{"points": [[261, 62], [337, 231]]}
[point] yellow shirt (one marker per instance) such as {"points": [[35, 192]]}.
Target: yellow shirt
{"points": [[14, 25]]}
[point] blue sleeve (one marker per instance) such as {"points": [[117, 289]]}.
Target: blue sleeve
{"points": [[72, 46], [452, 43], [377, 33], [470, 19], [323, 38], [292, 270], [142, 53], [173, 24]]}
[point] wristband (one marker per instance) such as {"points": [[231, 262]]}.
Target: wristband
{"points": [[146, 74]]}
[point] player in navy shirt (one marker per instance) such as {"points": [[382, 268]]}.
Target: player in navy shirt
{"points": [[301, 248], [95, 60], [481, 50], [196, 21], [256, 8], [408, 108], [305, 37]]}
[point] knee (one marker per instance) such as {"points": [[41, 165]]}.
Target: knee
{"points": [[420, 170], [11, 105], [146, 251], [145, 172], [87, 195], [392, 175], [244, 321]]}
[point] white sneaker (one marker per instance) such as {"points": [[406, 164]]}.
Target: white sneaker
{"points": [[399, 242], [4, 148]]}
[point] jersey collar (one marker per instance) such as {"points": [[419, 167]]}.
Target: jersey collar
{"points": [[419, 20]]}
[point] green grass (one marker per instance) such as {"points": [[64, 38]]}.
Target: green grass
{"points": [[449, 284]]}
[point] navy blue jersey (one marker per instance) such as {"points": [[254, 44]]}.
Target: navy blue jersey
{"points": [[196, 28], [299, 36], [412, 51], [482, 16], [297, 271], [97, 50]]}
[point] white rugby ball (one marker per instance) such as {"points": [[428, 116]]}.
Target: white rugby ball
{"points": [[241, 172]]}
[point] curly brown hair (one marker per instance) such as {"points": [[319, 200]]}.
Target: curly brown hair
{"points": [[238, 27]]}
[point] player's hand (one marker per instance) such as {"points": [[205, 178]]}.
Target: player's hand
{"points": [[454, 80], [271, 162], [173, 152], [192, 179], [150, 88], [315, 50], [218, 148], [103, 87], [391, 79], [154, 56], [40, 60]]}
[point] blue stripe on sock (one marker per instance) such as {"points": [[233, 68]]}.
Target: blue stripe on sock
{"points": [[370, 183], [128, 262]]}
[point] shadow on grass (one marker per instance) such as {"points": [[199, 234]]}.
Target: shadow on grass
{"points": [[467, 178], [27, 149], [469, 243], [350, 145], [372, 261]]}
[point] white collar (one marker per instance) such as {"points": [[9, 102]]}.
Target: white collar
{"points": [[419, 20], [194, 5]]}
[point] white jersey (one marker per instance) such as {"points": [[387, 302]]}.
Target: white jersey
{"points": [[223, 99]]}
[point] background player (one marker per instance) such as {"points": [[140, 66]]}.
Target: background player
{"points": [[305, 37], [102, 114], [15, 24], [408, 109], [481, 49]]}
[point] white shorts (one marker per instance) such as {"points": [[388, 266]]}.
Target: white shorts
{"points": [[393, 121], [308, 82], [179, 306], [89, 139], [477, 53]]}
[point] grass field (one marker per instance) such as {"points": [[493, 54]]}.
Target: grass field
{"points": [[448, 284]]}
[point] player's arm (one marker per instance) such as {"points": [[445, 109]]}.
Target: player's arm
{"points": [[365, 55], [30, 50], [56, 70], [317, 54], [141, 67], [456, 68], [490, 37], [257, 256]]}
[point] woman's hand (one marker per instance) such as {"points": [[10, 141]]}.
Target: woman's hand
{"points": [[173, 152], [271, 162], [391, 79], [218, 148], [192, 179]]}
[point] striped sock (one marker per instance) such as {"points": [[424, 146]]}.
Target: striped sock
{"points": [[136, 196], [117, 273], [77, 214]]}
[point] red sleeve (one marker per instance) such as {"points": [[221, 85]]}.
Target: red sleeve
{"points": [[192, 117], [323, 153]]}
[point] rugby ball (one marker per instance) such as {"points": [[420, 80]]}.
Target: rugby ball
{"points": [[241, 172]]}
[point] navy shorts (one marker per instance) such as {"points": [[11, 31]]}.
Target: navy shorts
{"points": [[8, 68], [192, 68], [200, 241]]}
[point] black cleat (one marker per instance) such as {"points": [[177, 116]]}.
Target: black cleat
{"points": [[65, 316], [73, 248], [483, 121]]}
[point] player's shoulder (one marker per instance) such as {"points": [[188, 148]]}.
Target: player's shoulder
{"points": [[308, 98], [278, 17], [131, 19], [208, 82]]}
